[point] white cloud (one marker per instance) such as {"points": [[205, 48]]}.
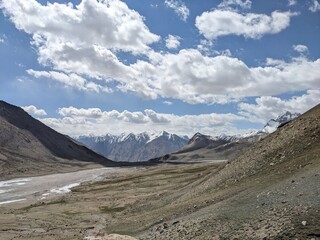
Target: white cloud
{"points": [[167, 103], [172, 41], [77, 122], [110, 24], [155, 117], [34, 110], [179, 7], [82, 39], [292, 2], [80, 112], [314, 6], [219, 23], [82, 42], [221, 79], [3, 38], [226, 4], [71, 80], [300, 48], [267, 107]]}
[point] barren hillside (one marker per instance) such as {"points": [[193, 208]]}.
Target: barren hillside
{"points": [[29, 147]]}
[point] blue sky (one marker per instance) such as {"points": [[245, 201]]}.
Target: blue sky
{"points": [[218, 67]]}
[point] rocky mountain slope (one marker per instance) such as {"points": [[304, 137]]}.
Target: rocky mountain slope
{"points": [[270, 191], [203, 147], [28, 147], [134, 147]]}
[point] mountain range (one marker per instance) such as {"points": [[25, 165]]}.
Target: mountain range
{"points": [[145, 146], [135, 147], [28, 147]]}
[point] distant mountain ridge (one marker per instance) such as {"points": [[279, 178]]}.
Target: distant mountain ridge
{"points": [[135, 147], [224, 147], [145, 146]]}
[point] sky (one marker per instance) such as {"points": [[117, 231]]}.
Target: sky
{"points": [[109, 66]]}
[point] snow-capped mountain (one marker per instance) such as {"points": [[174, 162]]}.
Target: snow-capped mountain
{"points": [[135, 147], [273, 124], [201, 141]]}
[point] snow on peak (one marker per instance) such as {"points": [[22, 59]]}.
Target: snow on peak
{"points": [[273, 124]]}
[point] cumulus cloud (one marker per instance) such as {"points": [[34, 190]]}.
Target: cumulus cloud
{"points": [[218, 23], [83, 39], [82, 42], [81, 121], [71, 80], [221, 79], [245, 4], [103, 23], [34, 110], [76, 112], [179, 7], [156, 118], [172, 41], [167, 103], [292, 2], [314, 6], [300, 48], [266, 107]]}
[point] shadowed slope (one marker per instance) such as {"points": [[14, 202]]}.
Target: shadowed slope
{"points": [[26, 143]]}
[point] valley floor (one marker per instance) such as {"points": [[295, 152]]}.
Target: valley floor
{"points": [[176, 202]]}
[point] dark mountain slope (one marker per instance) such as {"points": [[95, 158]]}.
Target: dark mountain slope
{"points": [[27, 145]]}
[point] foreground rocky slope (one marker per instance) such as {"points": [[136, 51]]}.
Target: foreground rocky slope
{"points": [[271, 191], [29, 147]]}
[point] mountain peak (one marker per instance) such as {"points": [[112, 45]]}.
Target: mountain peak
{"points": [[282, 119], [135, 147]]}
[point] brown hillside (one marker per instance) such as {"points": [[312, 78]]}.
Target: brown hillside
{"points": [[27, 146]]}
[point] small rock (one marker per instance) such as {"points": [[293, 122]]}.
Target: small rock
{"points": [[175, 222], [304, 223], [165, 225], [271, 164]]}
